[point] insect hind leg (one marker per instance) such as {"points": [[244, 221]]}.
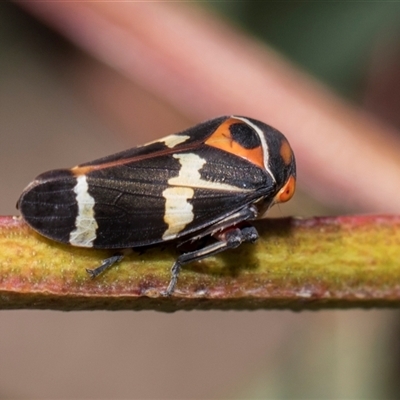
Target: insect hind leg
{"points": [[228, 239]]}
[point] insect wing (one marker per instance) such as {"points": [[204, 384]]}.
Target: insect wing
{"points": [[171, 195], [164, 190], [186, 139]]}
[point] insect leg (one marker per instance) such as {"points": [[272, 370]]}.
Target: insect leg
{"points": [[107, 263], [228, 239], [244, 214]]}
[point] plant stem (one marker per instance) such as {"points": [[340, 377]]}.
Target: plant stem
{"points": [[296, 264]]}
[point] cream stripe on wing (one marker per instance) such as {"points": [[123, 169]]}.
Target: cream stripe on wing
{"points": [[189, 175], [171, 141], [85, 223], [178, 211]]}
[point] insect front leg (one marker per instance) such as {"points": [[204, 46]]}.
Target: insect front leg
{"points": [[106, 264], [230, 238]]}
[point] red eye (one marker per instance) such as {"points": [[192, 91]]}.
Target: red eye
{"points": [[287, 191]]}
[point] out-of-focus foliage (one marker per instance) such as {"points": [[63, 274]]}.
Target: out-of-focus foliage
{"points": [[331, 40]]}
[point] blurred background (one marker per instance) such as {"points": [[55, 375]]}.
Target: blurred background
{"points": [[82, 80]]}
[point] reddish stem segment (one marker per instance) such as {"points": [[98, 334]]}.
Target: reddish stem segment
{"points": [[296, 264]]}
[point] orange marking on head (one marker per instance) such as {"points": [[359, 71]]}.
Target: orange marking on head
{"points": [[287, 190], [222, 139], [286, 152]]}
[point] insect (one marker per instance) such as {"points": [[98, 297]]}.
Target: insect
{"points": [[204, 182]]}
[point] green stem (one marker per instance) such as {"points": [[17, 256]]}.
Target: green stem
{"points": [[296, 264]]}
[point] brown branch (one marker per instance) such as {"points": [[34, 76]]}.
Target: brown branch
{"points": [[296, 264]]}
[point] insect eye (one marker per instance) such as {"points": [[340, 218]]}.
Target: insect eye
{"points": [[287, 191]]}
